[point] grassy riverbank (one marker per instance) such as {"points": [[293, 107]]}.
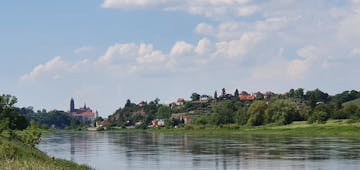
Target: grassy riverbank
{"points": [[342, 128], [16, 155]]}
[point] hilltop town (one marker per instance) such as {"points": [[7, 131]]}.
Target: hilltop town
{"points": [[239, 108]]}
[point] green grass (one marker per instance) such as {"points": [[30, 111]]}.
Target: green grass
{"points": [[16, 155], [331, 128], [356, 102]]}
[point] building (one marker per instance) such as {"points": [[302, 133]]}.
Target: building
{"points": [[157, 123], [180, 101], [84, 114], [247, 97], [100, 124], [204, 98], [181, 116]]}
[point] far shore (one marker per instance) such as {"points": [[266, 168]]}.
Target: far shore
{"points": [[333, 128]]}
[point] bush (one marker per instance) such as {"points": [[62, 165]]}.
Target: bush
{"points": [[319, 117], [202, 120]]}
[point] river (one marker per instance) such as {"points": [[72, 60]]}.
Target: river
{"points": [[141, 150]]}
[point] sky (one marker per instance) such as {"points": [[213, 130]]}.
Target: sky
{"points": [[102, 52]]}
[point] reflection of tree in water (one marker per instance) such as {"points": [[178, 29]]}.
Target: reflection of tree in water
{"points": [[224, 150], [219, 152], [83, 144], [269, 147]]}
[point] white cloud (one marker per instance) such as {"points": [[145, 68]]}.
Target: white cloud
{"points": [[120, 53], [132, 3], [204, 29], [204, 47], [207, 8], [181, 48], [52, 65], [348, 28], [238, 48], [247, 10], [153, 57]]}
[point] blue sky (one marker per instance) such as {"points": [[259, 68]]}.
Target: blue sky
{"points": [[105, 51]]}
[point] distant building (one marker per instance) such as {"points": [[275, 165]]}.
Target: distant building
{"points": [[100, 124], [157, 123], [84, 114], [142, 104], [180, 101], [247, 97], [204, 98], [181, 116]]}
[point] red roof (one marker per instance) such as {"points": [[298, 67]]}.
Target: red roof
{"points": [[180, 100], [247, 97], [85, 114], [104, 123]]}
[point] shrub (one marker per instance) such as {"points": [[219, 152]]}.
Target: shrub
{"points": [[319, 117]]}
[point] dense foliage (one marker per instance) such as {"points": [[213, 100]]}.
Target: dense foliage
{"points": [[314, 106], [46, 119], [10, 119]]}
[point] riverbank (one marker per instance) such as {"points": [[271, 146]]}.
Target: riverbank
{"points": [[16, 155], [341, 128]]}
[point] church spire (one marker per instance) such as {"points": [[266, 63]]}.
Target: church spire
{"points": [[72, 105]]}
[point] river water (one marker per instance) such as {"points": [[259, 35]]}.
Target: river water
{"points": [[141, 150]]}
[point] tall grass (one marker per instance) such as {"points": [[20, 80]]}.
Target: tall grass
{"points": [[16, 155]]}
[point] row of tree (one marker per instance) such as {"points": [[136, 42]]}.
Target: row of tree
{"points": [[314, 106]]}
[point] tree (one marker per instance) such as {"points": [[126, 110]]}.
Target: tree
{"points": [[256, 113], [281, 111], [215, 95], [128, 103], [316, 96], [223, 92], [240, 116], [195, 97], [164, 112], [223, 113], [236, 93], [157, 100], [10, 118], [348, 111]]}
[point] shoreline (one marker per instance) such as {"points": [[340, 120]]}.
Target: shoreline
{"points": [[17, 155], [333, 128]]}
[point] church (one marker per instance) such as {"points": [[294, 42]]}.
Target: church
{"points": [[84, 114]]}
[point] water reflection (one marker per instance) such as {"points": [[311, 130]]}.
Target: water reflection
{"points": [[125, 150]]}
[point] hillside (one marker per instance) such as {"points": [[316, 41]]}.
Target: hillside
{"points": [[16, 155], [356, 102]]}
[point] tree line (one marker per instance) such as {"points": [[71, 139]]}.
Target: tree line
{"points": [[314, 106]]}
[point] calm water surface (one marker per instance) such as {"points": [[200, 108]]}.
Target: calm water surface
{"points": [[140, 150]]}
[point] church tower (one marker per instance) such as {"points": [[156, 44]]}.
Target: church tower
{"points": [[72, 105]]}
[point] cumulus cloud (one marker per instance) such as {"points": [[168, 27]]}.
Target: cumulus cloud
{"points": [[181, 48], [204, 29], [52, 65], [238, 48]]}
